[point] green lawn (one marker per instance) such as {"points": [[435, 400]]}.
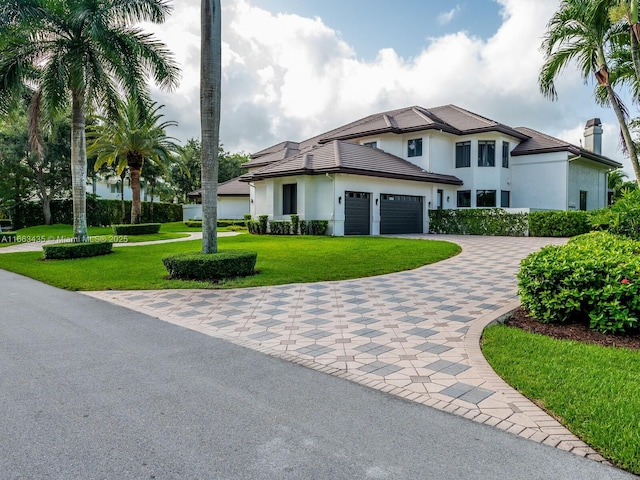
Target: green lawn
{"points": [[281, 260], [593, 390], [61, 232]]}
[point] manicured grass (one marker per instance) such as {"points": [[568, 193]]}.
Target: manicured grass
{"points": [[280, 260], [593, 390], [62, 232]]}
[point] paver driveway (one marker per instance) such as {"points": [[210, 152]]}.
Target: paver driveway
{"points": [[414, 334]]}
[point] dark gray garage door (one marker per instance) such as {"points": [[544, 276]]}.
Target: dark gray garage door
{"points": [[400, 214], [357, 213]]}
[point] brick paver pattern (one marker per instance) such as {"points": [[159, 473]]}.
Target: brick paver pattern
{"points": [[413, 334]]}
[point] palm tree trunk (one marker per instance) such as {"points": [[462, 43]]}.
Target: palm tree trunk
{"points": [[210, 79], [624, 128], [79, 167], [134, 178]]}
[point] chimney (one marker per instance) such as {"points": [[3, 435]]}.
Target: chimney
{"points": [[593, 136]]}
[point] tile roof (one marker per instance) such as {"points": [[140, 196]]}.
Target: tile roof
{"points": [[230, 188], [541, 143], [344, 157]]}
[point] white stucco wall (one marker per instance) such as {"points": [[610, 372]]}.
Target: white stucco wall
{"points": [[229, 208], [540, 181], [587, 176]]}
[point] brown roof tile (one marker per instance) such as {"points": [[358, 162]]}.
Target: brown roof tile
{"points": [[230, 188]]}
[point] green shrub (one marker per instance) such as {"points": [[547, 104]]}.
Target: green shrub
{"points": [[7, 237], [279, 227], [253, 227], [236, 228], [136, 229], [247, 219], [317, 227], [295, 224], [193, 223], [211, 267], [478, 221], [622, 218], [68, 250], [559, 223], [594, 276], [263, 221]]}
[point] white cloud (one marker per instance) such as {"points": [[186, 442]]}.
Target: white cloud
{"points": [[445, 17], [286, 77]]}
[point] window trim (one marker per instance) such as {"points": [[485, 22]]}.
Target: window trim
{"points": [[491, 162], [418, 142]]}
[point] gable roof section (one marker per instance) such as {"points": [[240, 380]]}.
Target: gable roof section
{"points": [[344, 157], [230, 188], [540, 143]]}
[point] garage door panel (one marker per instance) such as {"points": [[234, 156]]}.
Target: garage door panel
{"points": [[357, 213], [401, 214]]}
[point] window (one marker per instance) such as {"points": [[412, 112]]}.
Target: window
{"points": [[485, 198], [290, 199], [583, 200], [464, 198], [370, 144], [486, 153], [505, 154], [463, 154], [415, 148], [439, 199], [114, 188], [505, 199]]}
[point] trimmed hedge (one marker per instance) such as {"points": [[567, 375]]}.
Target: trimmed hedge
{"points": [[478, 221], [69, 250], [220, 223], [595, 276], [100, 212], [211, 267], [8, 237], [137, 229], [559, 223], [622, 218], [283, 227]]}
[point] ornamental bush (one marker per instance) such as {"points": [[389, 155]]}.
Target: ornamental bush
{"points": [[478, 221], [136, 229], [68, 250], [558, 223], [594, 277], [211, 267], [622, 218]]}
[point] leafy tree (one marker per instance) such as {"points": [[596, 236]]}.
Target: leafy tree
{"points": [[582, 31], [131, 139], [210, 79], [81, 53], [231, 165], [185, 177]]}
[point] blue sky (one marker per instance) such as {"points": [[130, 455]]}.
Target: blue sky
{"points": [[293, 69], [370, 25]]}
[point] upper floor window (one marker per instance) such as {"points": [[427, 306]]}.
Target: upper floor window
{"points": [[463, 154], [415, 147], [290, 199], [486, 198], [370, 144], [505, 154], [486, 153]]}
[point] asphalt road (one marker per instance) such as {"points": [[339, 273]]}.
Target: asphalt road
{"points": [[89, 390]]}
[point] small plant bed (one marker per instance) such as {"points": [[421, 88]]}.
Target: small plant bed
{"points": [[136, 229], [587, 380], [67, 251], [211, 267]]}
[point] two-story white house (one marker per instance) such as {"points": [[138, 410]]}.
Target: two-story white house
{"points": [[383, 173]]}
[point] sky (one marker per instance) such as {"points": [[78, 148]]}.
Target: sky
{"points": [[293, 69]]}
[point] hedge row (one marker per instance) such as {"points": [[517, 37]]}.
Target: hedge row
{"points": [[137, 229], [282, 227], [595, 277], [99, 212], [559, 223], [478, 221], [211, 267], [69, 250], [221, 223]]}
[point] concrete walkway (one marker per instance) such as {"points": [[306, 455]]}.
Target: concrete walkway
{"points": [[412, 334]]}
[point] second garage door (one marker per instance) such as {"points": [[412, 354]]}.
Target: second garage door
{"points": [[401, 214]]}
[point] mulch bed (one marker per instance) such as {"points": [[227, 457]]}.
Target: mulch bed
{"points": [[579, 332]]}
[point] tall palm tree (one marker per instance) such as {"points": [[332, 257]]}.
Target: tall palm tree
{"points": [[210, 79], [130, 139], [80, 53], [582, 31]]}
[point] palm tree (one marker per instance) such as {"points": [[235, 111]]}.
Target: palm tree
{"points": [[130, 139], [582, 30], [81, 53], [210, 79]]}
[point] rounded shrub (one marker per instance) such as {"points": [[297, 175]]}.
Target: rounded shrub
{"points": [[595, 276], [622, 218], [136, 229], [212, 267], [68, 250]]}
